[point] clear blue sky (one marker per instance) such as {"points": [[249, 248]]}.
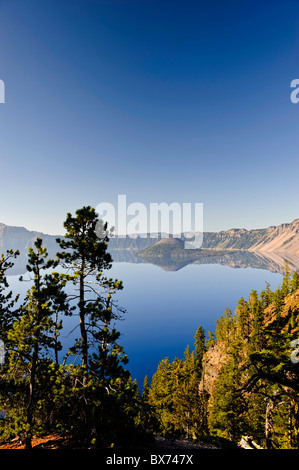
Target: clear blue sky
{"points": [[164, 101]]}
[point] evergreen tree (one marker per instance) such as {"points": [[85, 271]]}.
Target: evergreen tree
{"points": [[266, 296], [286, 283], [102, 390], [256, 315], [7, 311], [161, 397], [175, 396], [210, 341], [228, 403], [148, 418], [96, 403], [295, 282], [255, 390], [85, 254], [273, 377], [224, 326], [146, 388], [29, 340], [199, 350]]}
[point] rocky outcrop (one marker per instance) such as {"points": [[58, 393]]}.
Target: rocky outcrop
{"points": [[290, 309], [213, 361], [279, 239]]}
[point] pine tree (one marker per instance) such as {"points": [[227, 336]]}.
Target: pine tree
{"points": [[189, 402], [148, 418], [266, 296], [85, 254], [228, 403], [161, 397], [210, 341], [224, 327], [30, 340], [97, 403], [102, 387], [274, 378], [7, 311], [242, 314], [286, 283], [295, 282], [175, 397], [199, 351], [145, 389], [256, 315]]}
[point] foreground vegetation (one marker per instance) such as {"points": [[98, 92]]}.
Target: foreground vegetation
{"points": [[94, 401], [241, 380]]}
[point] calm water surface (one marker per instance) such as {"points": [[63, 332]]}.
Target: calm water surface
{"points": [[165, 308]]}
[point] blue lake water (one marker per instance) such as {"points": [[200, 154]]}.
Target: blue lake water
{"points": [[165, 308]]}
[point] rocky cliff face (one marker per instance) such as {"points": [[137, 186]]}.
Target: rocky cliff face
{"points": [[280, 239], [213, 361]]}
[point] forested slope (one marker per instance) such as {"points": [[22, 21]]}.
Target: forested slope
{"points": [[241, 380]]}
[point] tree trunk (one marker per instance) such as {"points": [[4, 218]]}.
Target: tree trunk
{"points": [[30, 405], [296, 425], [55, 338], [105, 343], [268, 425], [82, 324]]}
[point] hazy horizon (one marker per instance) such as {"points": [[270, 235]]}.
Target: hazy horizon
{"points": [[205, 231]]}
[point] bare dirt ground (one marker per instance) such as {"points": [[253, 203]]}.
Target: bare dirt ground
{"points": [[54, 441]]}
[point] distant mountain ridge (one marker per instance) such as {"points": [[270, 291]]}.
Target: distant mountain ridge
{"points": [[283, 238], [19, 238], [264, 248]]}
